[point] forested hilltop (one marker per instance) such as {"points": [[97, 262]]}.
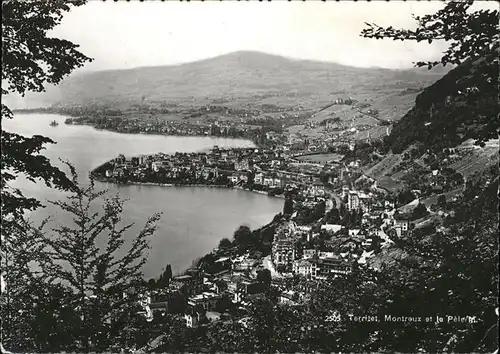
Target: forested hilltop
{"points": [[461, 105]]}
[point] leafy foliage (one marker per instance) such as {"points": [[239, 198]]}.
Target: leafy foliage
{"points": [[98, 274], [20, 155], [333, 216], [30, 60], [307, 216], [456, 271], [471, 34], [462, 105], [264, 276], [73, 279], [419, 212], [243, 236], [22, 256]]}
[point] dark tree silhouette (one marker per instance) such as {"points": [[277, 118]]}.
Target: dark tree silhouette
{"points": [[419, 212], [405, 197], [264, 276], [288, 206], [165, 277], [441, 201], [225, 243], [333, 216], [98, 275], [243, 236]]}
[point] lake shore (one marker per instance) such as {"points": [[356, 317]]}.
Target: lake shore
{"points": [[194, 220], [138, 183], [145, 133]]}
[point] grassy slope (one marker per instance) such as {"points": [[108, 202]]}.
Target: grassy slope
{"points": [[320, 158], [478, 160], [384, 166], [381, 169]]}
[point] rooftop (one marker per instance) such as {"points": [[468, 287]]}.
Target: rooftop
{"points": [[202, 296]]}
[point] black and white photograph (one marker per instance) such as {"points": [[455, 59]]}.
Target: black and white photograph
{"points": [[249, 176]]}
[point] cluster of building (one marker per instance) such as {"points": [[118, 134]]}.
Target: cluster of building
{"points": [[226, 294], [342, 247], [237, 122], [200, 297], [291, 256], [262, 169]]}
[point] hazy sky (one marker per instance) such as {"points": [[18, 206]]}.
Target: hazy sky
{"points": [[131, 34]]}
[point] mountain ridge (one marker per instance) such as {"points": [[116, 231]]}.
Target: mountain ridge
{"points": [[236, 74], [242, 53]]}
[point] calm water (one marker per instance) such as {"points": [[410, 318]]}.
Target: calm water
{"points": [[194, 219]]}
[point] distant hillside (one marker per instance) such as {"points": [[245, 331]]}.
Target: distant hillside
{"points": [[462, 105], [252, 76]]}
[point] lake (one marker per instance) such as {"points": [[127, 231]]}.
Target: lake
{"points": [[194, 218]]}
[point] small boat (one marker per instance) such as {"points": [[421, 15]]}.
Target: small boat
{"points": [[54, 123]]}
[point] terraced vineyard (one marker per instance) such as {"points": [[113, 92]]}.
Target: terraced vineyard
{"points": [[385, 166], [479, 160]]}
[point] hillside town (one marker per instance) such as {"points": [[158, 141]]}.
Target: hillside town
{"points": [[348, 206], [335, 219]]}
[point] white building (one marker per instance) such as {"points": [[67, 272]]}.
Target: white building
{"points": [[258, 178], [352, 200], [358, 200], [283, 252], [304, 267], [331, 227], [157, 165], [268, 181], [354, 232], [234, 179], [308, 253], [401, 224], [323, 255]]}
